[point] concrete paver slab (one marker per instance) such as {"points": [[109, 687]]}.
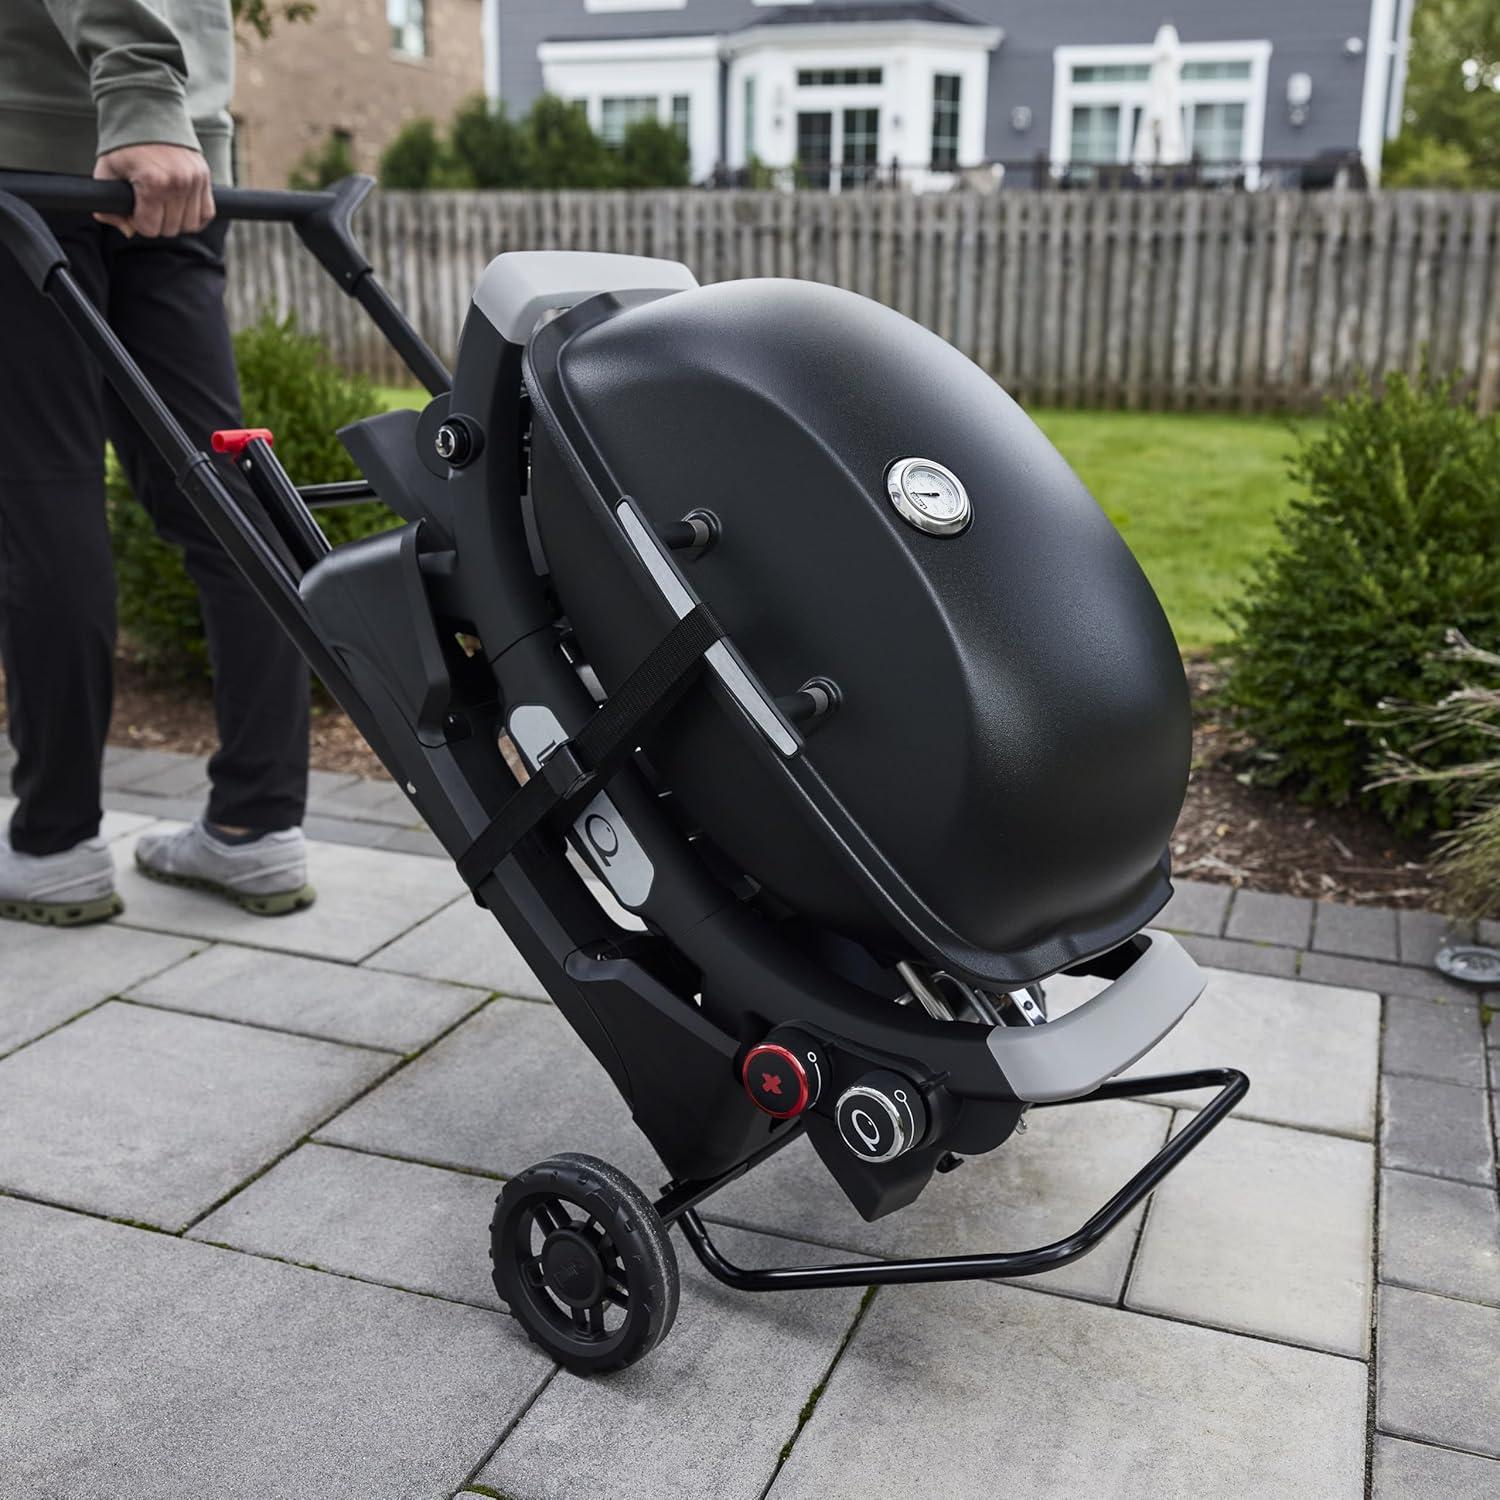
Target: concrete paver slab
{"points": [[1261, 917], [1196, 907], [705, 1415], [969, 1390], [48, 973], [1383, 979], [466, 945], [1423, 933], [365, 900], [1417, 1471], [1440, 1236], [1264, 1230], [1438, 1371], [1311, 1051], [181, 776], [114, 824], [135, 1364], [420, 841], [1360, 931], [409, 1226], [1434, 1039], [152, 1116], [373, 798], [333, 1001], [1247, 958], [508, 1088], [1436, 1127]]}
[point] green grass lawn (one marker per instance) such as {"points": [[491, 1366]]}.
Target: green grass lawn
{"points": [[1195, 495]]}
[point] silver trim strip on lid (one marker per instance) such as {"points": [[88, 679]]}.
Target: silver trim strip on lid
{"points": [[649, 549]]}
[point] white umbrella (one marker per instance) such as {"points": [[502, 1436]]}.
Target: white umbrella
{"points": [[1158, 138]]}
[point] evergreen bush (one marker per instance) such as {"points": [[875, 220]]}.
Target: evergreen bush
{"points": [[1395, 541]]}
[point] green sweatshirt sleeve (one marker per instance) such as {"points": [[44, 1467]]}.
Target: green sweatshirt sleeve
{"points": [[137, 72]]}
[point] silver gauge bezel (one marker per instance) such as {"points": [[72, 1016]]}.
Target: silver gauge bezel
{"points": [[895, 483]]}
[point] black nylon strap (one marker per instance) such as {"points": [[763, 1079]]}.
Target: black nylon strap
{"points": [[578, 767]]}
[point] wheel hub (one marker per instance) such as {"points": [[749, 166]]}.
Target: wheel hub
{"points": [[574, 1271]]}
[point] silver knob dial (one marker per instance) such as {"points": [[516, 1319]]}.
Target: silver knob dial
{"points": [[880, 1117]]}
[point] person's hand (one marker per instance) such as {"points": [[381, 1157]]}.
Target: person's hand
{"points": [[174, 190]]}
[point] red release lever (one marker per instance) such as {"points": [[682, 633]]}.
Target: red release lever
{"points": [[234, 440]]}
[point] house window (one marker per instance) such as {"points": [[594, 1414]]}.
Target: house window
{"points": [[818, 78], [1099, 95], [1112, 73], [408, 22], [861, 146], [1094, 135], [946, 91], [617, 115], [815, 147], [1216, 132], [749, 120], [682, 114], [1196, 72]]}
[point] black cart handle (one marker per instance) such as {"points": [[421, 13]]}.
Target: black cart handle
{"points": [[322, 222], [55, 193]]}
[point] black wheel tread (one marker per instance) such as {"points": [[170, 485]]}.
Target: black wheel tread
{"points": [[635, 1230]]}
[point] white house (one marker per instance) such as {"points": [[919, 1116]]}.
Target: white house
{"points": [[838, 88]]}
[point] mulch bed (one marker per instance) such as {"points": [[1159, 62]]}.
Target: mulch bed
{"points": [[1264, 839], [1230, 833]]}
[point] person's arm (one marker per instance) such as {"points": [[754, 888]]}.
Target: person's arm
{"points": [[138, 77]]}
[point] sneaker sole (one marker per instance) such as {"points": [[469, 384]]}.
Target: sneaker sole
{"points": [[273, 904], [63, 913]]}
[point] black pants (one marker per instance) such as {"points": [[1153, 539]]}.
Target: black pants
{"points": [[164, 298]]}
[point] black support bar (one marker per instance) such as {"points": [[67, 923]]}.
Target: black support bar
{"points": [[1002, 1265]]}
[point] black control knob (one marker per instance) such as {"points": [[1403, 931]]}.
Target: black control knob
{"points": [[458, 441], [881, 1116], [784, 1074]]}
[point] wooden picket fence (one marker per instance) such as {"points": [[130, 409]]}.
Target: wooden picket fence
{"points": [[1193, 299]]}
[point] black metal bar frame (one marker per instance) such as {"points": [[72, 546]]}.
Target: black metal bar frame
{"points": [[678, 1204], [337, 492]]}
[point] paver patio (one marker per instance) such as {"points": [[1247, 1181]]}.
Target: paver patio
{"points": [[247, 1167]]}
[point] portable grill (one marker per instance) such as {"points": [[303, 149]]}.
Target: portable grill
{"points": [[820, 660]]}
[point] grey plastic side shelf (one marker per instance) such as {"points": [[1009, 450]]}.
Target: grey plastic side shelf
{"points": [[518, 289], [1073, 1055]]}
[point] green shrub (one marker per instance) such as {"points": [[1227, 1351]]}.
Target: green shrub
{"points": [[653, 155], [1396, 539], [489, 148], [418, 157], [288, 384], [325, 165], [562, 149]]}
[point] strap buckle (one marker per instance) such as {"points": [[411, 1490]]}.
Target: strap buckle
{"points": [[564, 773]]}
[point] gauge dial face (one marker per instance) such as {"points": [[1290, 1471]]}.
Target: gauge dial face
{"points": [[930, 496]]}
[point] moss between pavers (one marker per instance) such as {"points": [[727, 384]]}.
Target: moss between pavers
{"points": [[811, 1404]]}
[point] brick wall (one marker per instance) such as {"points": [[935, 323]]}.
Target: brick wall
{"points": [[337, 72]]}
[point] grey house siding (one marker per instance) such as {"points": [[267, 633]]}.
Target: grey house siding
{"points": [[1307, 36]]}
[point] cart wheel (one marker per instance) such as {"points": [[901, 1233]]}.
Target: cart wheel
{"points": [[582, 1260]]}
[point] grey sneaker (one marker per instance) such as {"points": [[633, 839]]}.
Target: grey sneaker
{"points": [[267, 876], [59, 890]]}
